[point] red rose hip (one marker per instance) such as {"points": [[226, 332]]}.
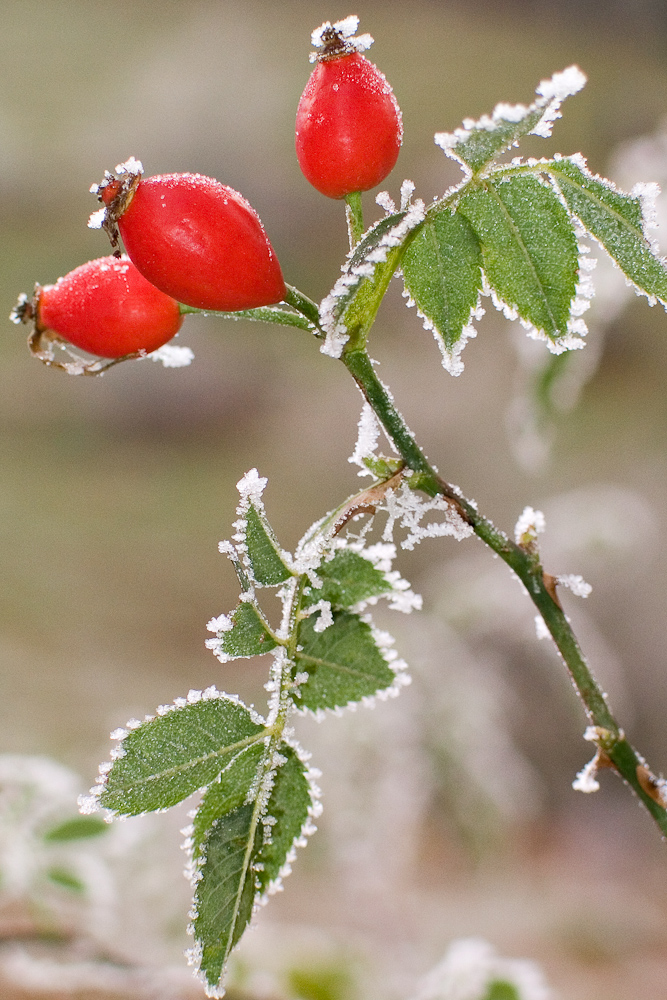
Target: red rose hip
{"points": [[348, 123], [192, 237], [105, 307]]}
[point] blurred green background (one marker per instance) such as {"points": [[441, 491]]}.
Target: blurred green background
{"points": [[115, 491]]}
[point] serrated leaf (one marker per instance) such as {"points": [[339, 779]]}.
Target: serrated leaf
{"points": [[491, 136], [244, 850], [442, 268], [228, 793], [77, 828], [263, 551], [288, 804], [616, 221], [529, 249], [343, 663], [347, 579], [173, 755], [226, 889], [249, 634]]}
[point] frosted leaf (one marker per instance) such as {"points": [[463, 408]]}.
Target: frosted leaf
{"points": [[369, 431], [172, 356], [477, 143], [575, 583], [530, 524], [371, 251]]}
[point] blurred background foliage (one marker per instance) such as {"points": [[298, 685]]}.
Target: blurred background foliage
{"points": [[114, 491]]}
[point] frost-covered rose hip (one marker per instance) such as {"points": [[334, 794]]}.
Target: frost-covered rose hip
{"points": [[104, 307], [348, 123], [194, 238]]}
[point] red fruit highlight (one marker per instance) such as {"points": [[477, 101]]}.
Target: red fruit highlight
{"points": [[348, 123], [105, 307], [195, 239]]}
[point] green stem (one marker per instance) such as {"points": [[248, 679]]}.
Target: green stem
{"points": [[540, 587], [306, 317], [354, 214]]}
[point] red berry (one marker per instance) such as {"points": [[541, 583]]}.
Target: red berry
{"points": [[194, 238], [104, 307], [348, 123]]}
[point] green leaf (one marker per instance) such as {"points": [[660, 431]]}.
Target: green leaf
{"points": [[77, 828], [263, 551], [529, 249], [66, 879], [486, 139], [249, 634], [173, 755], [617, 223], [343, 663], [288, 805], [347, 579], [228, 793], [442, 268], [243, 851], [226, 888]]}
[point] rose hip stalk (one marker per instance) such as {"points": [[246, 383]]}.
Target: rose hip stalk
{"points": [[348, 123], [192, 237], [105, 307]]}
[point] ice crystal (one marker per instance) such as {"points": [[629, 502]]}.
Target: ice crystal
{"points": [[172, 356], [530, 524], [575, 583], [586, 780], [369, 431], [407, 508]]}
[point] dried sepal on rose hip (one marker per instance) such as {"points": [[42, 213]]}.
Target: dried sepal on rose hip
{"points": [[106, 308], [191, 236], [348, 123]]}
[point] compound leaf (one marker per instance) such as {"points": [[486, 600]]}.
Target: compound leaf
{"points": [[347, 579], [483, 141], [167, 758], [343, 663], [529, 249], [616, 221], [442, 268]]}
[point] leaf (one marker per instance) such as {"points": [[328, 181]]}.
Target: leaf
{"points": [[616, 221], [66, 879], [529, 249], [442, 268], [228, 793], [343, 663], [77, 828], [249, 634], [289, 804], [347, 579], [226, 889], [243, 852], [263, 551], [486, 139], [173, 755], [500, 989]]}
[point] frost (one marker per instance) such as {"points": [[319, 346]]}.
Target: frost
{"points": [[369, 431], [172, 356], [541, 629], [408, 509], [575, 583], [346, 29], [222, 623], [251, 486], [97, 218], [471, 967], [530, 524], [564, 84], [586, 780]]}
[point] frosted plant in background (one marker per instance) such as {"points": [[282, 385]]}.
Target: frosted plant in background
{"points": [[471, 970]]}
